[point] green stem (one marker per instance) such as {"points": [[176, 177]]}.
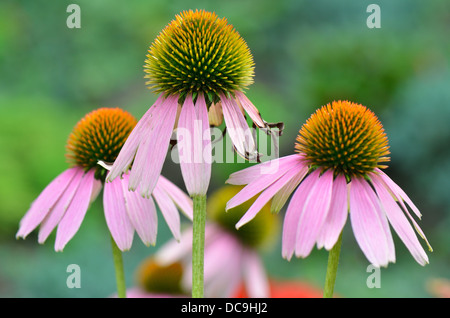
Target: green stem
{"points": [[333, 261], [118, 265], [198, 246]]}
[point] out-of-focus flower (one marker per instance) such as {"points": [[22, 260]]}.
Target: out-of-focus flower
{"points": [[99, 136], [286, 289], [439, 287], [337, 171], [231, 256]]}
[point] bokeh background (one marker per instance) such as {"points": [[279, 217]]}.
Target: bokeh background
{"points": [[306, 53]]}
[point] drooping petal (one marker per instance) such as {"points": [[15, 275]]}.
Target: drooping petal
{"points": [[168, 210], [152, 151], [401, 196], [116, 215], [251, 110], [399, 221], [337, 215], [250, 174], [238, 129], [57, 212], [72, 219], [194, 141], [141, 213], [399, 193], [133, 142], [255, 276], [267, 194], [280, 199], [264, 181], [315, 211], [181, 199], [45, 202], [368, 225], [293, 214]]}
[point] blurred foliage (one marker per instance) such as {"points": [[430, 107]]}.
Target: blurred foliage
{"points": [[307, 53]]}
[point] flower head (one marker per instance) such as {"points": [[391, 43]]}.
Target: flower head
{"points": [[240, 249], [199, 52], [335, 172], [98, 137], [200, 66]]}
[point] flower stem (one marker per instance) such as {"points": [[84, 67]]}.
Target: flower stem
{"points": [[333, 261], [198, 246], [118, 265]]}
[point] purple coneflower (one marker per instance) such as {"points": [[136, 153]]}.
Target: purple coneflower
{"points": [[99, 136], [200, 66], [232, 257], [336, 172]]}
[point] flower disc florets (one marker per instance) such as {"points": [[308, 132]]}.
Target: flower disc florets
{"points": [[99, 136], [344, 137], [199, 52]]}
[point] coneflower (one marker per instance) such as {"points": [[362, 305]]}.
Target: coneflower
{"points": [[337, 171], [98, 137], [200, 66]]}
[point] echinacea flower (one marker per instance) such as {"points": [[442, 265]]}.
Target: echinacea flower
{"points": [[336, 172], [154, 280], [200, 66], [99, 136], [231, 257]]}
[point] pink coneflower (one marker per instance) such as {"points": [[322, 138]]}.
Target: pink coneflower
{"points": [[232, 257], [336, 172], [99, 136], [200, 65]]}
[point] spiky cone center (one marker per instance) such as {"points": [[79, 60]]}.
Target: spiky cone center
{"points": [[99, 136], [344, 137], [261, 231], [160, 279], [199, 52]]}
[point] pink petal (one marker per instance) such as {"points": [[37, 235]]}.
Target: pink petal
{"points": [[264, 181], [368, 223], [128, 151], [52, 219], [168, 210], [45, 201], [401, 196], [399, 193], [399, 222], [71, 221], [255, 276], [181, 199], [268, 193], [294, 212], [280, 199], [251, 110], [254, 172], [194, 141], [141, 213], [315, 211], [153, 149], [175, 251], [116, 214], [337, 215], [238, 129]]}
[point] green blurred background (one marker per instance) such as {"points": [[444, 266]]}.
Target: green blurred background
{"points": [[306, 53]]}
